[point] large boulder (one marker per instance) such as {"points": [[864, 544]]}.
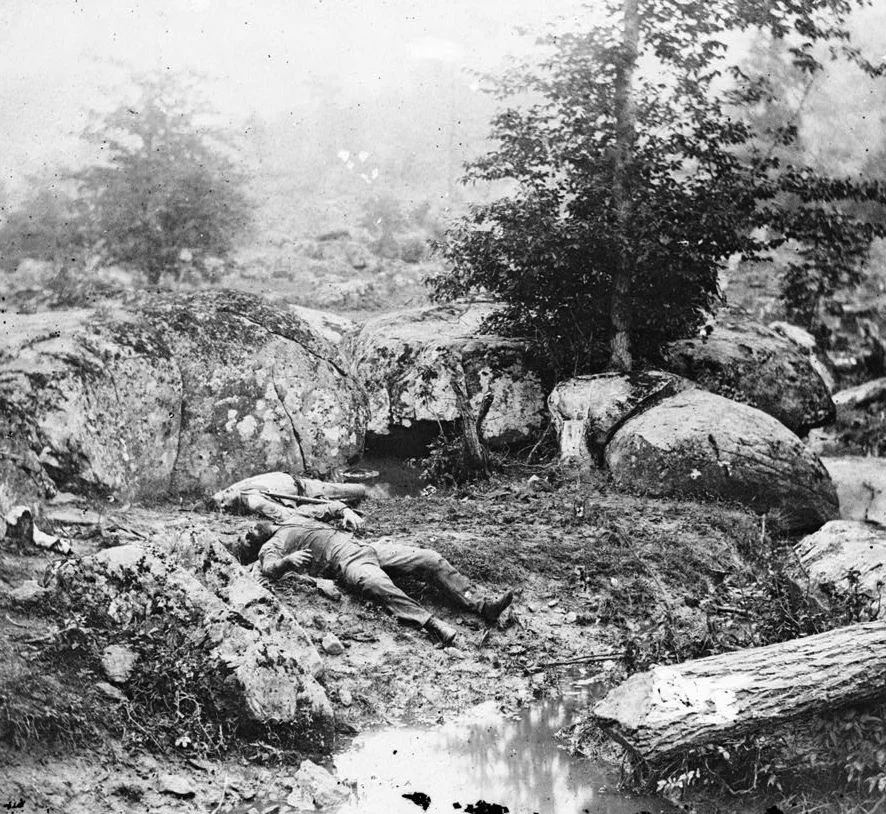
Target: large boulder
{"points": [[89, 402], [412, 361], [253, 657], [845, 555], [701, 444], [743, 360], [861, 487], [180, 393], [587, 410]]}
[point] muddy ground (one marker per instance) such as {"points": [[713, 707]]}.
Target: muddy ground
{"points": [[591, 569]]}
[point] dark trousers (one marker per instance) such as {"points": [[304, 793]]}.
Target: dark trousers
{"points": [[368, 571]]}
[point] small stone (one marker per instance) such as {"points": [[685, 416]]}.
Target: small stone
{"points": [[110, 690], [147, 765], [332, 645], [319, 786], [571, 617], [203, 765], [326, 587], [118, 663], [28, 593], [299, 799], [175, 785], [553, 602], [245, 791], [345, 697]]}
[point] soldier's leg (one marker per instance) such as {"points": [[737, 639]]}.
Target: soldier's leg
{"points": [[433, 567], [351, 493], [364, 573]]}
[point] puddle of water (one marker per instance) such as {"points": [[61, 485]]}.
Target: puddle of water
{"points": [[514, 762]]}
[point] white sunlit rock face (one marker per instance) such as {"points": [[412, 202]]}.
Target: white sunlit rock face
{"points": [[412, 361]]}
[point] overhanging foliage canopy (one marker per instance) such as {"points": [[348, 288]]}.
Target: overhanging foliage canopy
{"points": [[657, 175]]}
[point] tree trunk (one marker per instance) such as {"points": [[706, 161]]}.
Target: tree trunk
{"points": [[660, 714], [625, 137], [475, 451]]}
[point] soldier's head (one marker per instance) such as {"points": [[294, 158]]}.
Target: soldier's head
{"points": [[253, 540]]}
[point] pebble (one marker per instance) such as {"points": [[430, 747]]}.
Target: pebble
{"points": [[176, 785], [332, 645], [571, 617], [327, 588], [345, 697], [29, 592], [319, 786], [110, 690], [118, 663]]}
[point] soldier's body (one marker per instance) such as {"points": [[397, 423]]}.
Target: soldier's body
{"points": [[298, 537]]}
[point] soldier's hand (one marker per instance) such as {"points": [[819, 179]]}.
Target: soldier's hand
{"points": [[352, 520], [299, 559]]}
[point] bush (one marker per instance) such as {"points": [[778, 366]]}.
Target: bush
{"points": [[447, 462], [413, 249]]}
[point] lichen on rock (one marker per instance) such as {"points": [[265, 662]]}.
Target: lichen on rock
{"points": [[168, 393], [411, 360], [258, 666]]}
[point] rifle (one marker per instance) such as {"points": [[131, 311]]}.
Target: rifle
{"points": [[296, 498]]}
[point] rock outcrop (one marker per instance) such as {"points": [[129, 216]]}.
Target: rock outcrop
{"points": [[588, 410], [246, 644], [806, 343], [743, 360], [861, 487], [413, 362], [171, 393], [862, 395], [700, 444], [845, 554]]}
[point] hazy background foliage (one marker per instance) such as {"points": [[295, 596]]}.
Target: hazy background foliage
{"points": [[349, 125]]}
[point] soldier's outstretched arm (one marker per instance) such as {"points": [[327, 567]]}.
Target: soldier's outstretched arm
{"points": [[332, 510], [274, 563]]}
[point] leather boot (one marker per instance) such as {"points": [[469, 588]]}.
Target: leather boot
{"points": [[442, 632], [491, 609]]}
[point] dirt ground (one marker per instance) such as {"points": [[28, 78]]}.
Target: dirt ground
{"points": [[591, 569]]}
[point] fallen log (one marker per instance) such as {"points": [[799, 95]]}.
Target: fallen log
{"points": [[661, 714]]}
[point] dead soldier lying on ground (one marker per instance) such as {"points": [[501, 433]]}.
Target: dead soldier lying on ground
{"points": [[298, 539]]}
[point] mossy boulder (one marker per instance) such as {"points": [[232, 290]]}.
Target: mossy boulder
{"points": [[745, 361], [170, 611], [699, 444], [166, 393]]}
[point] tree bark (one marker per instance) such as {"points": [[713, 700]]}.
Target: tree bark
{"points": [[475, 450], [625, 138], [660, 714]]}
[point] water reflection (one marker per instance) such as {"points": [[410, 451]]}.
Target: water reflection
{"points": [[511, 761]]}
